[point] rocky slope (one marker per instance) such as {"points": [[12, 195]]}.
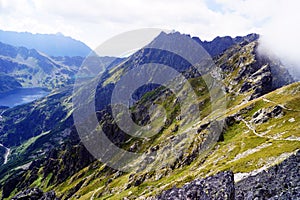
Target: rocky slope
{"points": [[219, 186], [278, 182], [281, 181], [261, 130]]}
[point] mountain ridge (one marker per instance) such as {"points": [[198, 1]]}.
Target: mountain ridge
{"points": [[254, 105], [51, 44]]}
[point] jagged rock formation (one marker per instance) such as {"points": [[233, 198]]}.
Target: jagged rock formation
{"points": [[218, 187], [263, 115], [220, 44], [281, 181], [247, 72]]}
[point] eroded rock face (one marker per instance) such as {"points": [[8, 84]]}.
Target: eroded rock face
{"points": [[220, 186], [35, 194]]}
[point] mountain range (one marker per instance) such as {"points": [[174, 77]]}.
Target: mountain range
{"points": [[254, 155], [50, 44]]}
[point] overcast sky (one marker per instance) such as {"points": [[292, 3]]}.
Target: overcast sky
{"points": [[93, 21]]}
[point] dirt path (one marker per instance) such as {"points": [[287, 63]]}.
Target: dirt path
{"points": [[249, 125]]}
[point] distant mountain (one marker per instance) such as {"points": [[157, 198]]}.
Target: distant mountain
{"points": [[74, 62], [31, 68], [220, 44], [51, 44], [8, 83]]}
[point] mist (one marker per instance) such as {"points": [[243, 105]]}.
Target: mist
{"points": [[280, 36]]}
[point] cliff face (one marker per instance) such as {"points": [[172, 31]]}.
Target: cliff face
{"points": [[260, 130]]}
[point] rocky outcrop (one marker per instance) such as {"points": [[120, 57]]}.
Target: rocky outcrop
{"points": [[245, 71], [260, 82], [35, 194], [278, 182], [264, 114], [281, 181], [220, 186]]}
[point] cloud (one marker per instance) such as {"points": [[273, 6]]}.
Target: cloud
{"points": [[277, 22], [94, 21], [281, 34]]}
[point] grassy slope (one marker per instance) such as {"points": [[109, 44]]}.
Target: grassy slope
{"points": [[265, 140], [238, 139]]}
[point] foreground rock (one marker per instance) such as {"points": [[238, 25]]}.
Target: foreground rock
{"points": [[220, 186], [281, 181], [278, 182]]}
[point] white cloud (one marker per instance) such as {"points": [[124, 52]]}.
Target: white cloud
{"points": [[94, 21], [281, 34]]}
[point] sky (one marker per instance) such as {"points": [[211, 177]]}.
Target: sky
{"points": [[94, 21]]}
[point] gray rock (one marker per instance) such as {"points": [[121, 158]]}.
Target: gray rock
{"points": [[263, 115], [281, 181], [278, 182], [219, 186]]}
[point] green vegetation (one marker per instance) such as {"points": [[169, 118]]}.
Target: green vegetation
{"points": [[243, 145]]}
